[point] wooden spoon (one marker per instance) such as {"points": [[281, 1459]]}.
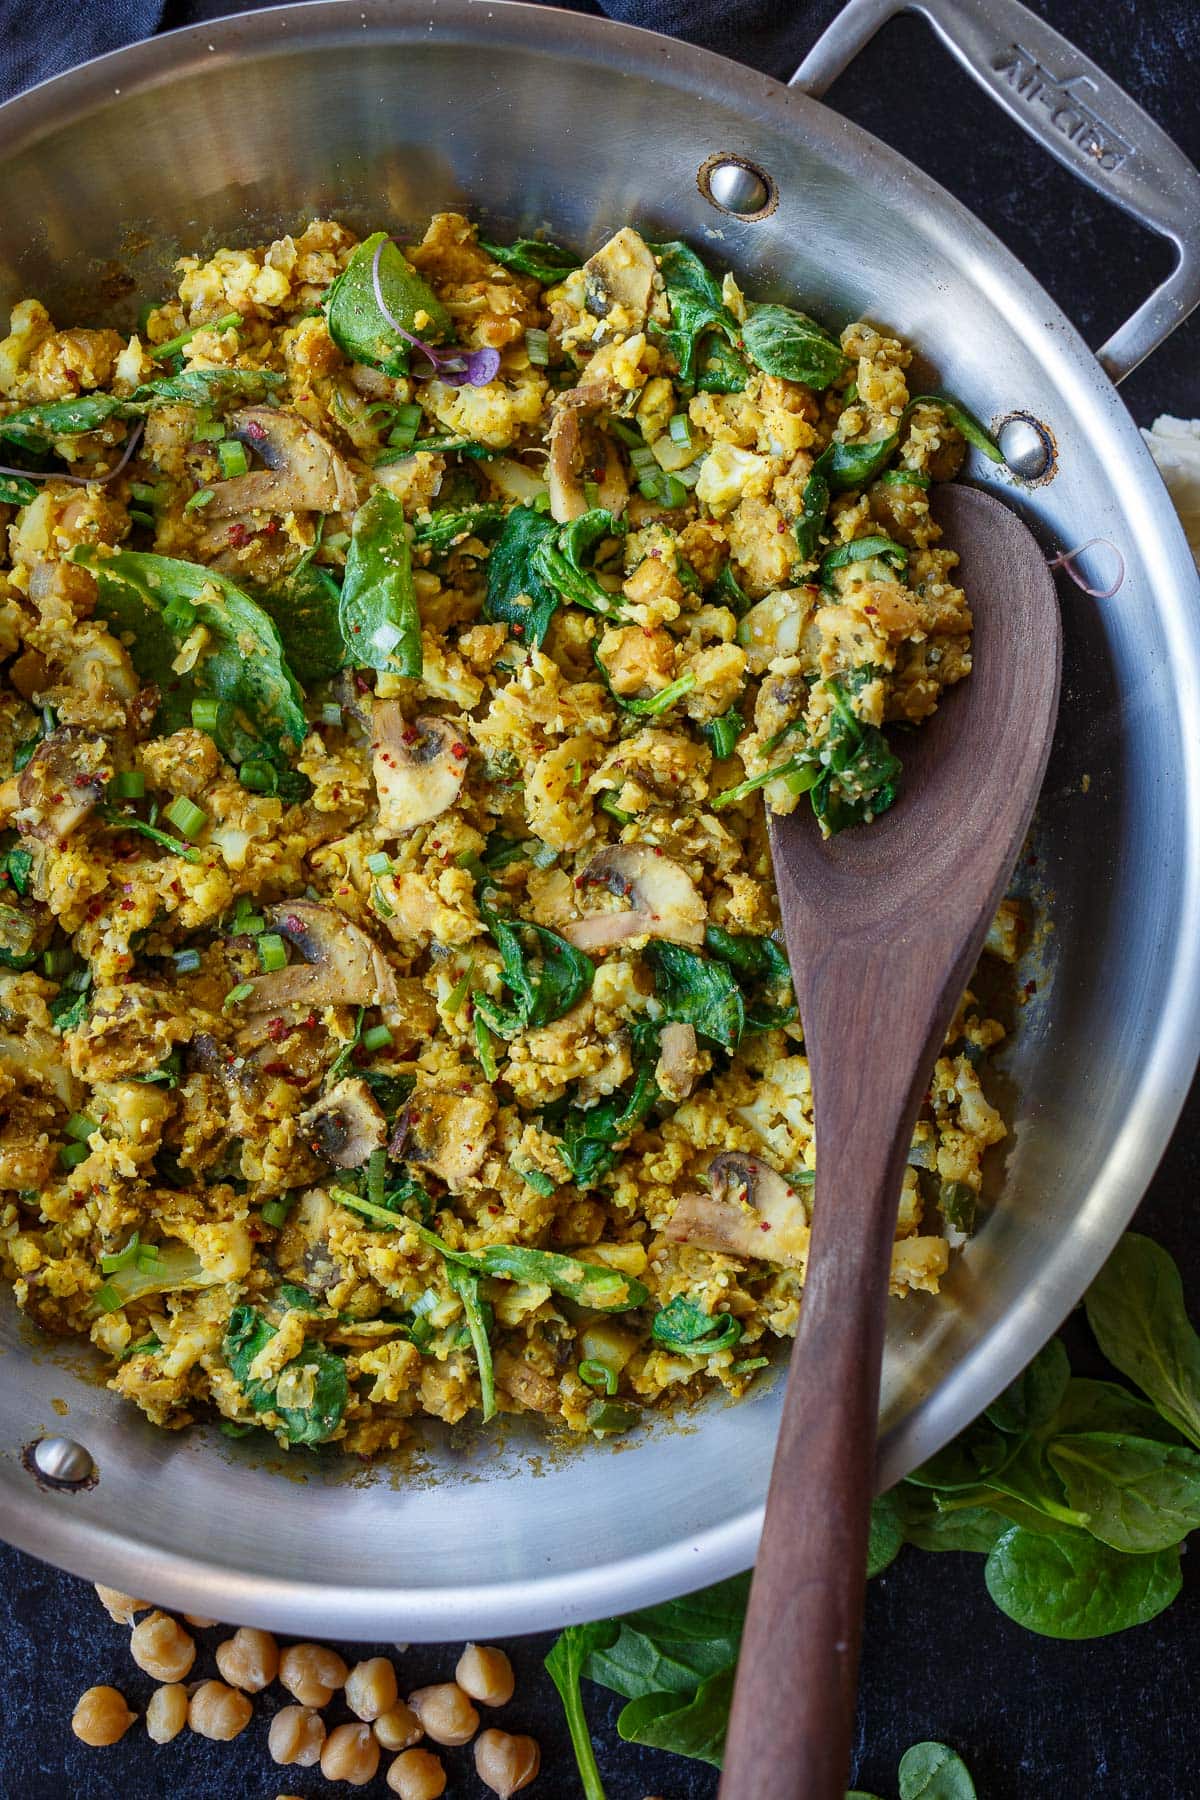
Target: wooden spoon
{"points": [[883, 925]]}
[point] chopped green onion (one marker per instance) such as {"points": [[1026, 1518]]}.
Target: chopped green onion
{"points": [[246, 922], [232, 457], [379, 862], [236, 995], [607, 1416], [174, 345], [483, 1043], [380, 903], [537, 347], [206, 713], [200, 498], [751, 1362], [331, 713], [79, 1126], [275, 1212], [643, 459], [186, 961], [609, 805], [257, 776], [272, 952], [376, 1175], [71, 1155], [378, 1038], [142, 518], [591, 493], [680, 429], [800, 770], [57, 962], [405, 425], [150, 494], [128, 784], [108, 1299], [207, 430], [598, 1375], [185, 815], [663, 489]]}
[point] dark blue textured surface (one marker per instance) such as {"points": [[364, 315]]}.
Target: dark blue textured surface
{"points": [[1110, 1720]]}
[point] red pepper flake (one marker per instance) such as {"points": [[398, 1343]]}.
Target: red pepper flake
{"points": [[281, 1069], [458, 751], [361, 684], [254, 431], [1030, 987], [126, 905], [764, 1225], [271, 528], [277, 1030], [238, 535], [292, 923], [518, 631]]}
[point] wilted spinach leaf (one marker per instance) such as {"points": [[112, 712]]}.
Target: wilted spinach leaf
{"points": [[591, 1135], [686, 1329], [315, 1372], [517, 595], [783, 342], [695, 990], [545, 974], [859, 769], [546, 262], [380, 623], [304, 605], [442, 530], [352, 313]]}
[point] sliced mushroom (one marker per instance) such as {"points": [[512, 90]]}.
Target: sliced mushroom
{"points": [[621, 274], [751, 1211], [678, 1061], [345, 1125], [342, 966], [448, 1132], [419, 766], [61, 783], [304, 472], [527, 1385], [580, 452], [665, 902]]}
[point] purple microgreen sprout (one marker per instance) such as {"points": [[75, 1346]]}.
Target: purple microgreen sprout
{"points": [[475, 369], [131, 444]]}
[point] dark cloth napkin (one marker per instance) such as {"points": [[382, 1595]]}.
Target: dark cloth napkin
{"points": [[39, 38]]}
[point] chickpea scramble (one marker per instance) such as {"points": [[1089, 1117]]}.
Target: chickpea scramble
{"points": [[390, 1018]]}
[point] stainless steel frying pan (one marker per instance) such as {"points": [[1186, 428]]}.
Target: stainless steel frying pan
{"points": [[380, 111]]}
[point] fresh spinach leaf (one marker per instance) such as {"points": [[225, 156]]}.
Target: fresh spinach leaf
{"points": [[590, 1136], [864, 549], [304, 606], [695, 990], [684, 1328], [1103, 1406], [559, 560], [1136, 1311], [934, 1523], [1138, 1495], [352, 313], [380, 623], [1069, 1585], [698, 317], [314, 1397], [478, 1315], [545, 974], [688, 1725], [517, 594], [442, 530], [934, 1772], [16, 491], [1037, 1393], [546, 262], [154, 603], [886, 1534], [564, 1664], [781, 341], [858, 768]]}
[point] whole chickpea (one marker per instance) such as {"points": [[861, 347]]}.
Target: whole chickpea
{"points": [[371, 1688], [121, 1608], [201, 1623], [350, 1754], [399, 1727], [101, 1717], [217, 1711], [506, 1764], [311, 1673], [249, 1659], [486, 1674], [445, 1712], [166, 1713], [296, 1736], [162, 1648], [417, 1775]]}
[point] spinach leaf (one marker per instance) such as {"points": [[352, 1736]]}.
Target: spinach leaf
{"points": [[886, 1534], [853, 465], [154, 603], [18, 865], [864, 549], [16, 491], [1139, 1495], [698, 314], [69, 1007], [722, 734], [478, 1316], [720, 369], [965, 422], [730, 592], [352, 313], [545, 984], [565, 1663], [298, 1299], [934, 1772], [442, 530], [315, 1397], [1070, 1586], [957, 1203], [198, 387], [784, 342], [559, 560], [809, 526], [691, 1726], [35, 425], [517, 595], [547, 263], [1037, 1393], [686, 1329], [974, 1457], [694, 990], [1136, 1311], [933, 1523], [757, 958], [590, 1136], [1103, 1406], [380, 624], [304, 606], [859, 769]]}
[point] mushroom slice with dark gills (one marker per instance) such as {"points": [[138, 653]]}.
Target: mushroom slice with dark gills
{"points": [[61, 783], [752, 1211], [664, 900], [345, 1125], [581, 453], [303, 473], [419, 767], [619, 281], [448, 1132], [342, 966]]}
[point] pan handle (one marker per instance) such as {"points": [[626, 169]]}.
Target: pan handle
{"points": [[1081, 116]]}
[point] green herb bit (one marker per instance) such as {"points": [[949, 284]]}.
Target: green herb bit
{"points": [[686, 1329], [608, 1417], [801, 772], [236, 995], [127, 822], [595, 1374], [199, 499], [275, 1212], [172, 347]]}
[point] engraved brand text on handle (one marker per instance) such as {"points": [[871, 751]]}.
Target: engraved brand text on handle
{"points": [[1069, 104]]}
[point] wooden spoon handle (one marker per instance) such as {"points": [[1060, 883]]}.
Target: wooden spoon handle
{"points": [[792, 1720]]}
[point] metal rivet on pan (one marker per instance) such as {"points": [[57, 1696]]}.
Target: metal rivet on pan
{"points": [[1026, 446], [737, 187], [62, 1461]]}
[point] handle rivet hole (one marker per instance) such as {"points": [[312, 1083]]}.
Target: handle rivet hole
{"points": [[1027, 446], [60, 1462], [736, 186]]}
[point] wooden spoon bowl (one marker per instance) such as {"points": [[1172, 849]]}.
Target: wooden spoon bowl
{"points": [[883, 924]]}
